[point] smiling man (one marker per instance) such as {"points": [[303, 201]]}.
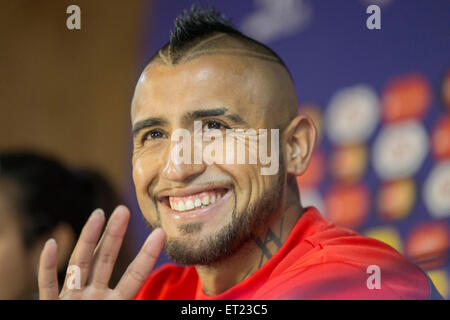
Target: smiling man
{"points": [[240, 234]]}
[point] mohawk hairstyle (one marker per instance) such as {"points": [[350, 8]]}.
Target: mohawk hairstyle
{"points": [[205, 31], [197, 23]]}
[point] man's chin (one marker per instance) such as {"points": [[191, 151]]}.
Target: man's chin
{"points": [[207, 249], [189, 252]]}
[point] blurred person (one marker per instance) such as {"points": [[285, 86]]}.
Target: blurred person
{"points": [[40, 198], [236, 233]]}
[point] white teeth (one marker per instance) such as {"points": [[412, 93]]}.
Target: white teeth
{"points": [[189, 205]]}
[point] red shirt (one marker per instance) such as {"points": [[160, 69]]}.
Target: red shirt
{"points": [[317, 261]]}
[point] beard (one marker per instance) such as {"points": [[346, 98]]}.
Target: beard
{"points": [[244, 227]]}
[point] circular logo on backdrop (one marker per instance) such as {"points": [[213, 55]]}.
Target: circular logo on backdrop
{"points": [[348, 163], [352, 115], [407, 97], [347, 205], [440, 139], [395, 199], [436, 191], [400, 150], [428, 244]]}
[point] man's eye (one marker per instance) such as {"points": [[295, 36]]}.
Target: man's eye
{"points": [[213, 124], [153, 134]]}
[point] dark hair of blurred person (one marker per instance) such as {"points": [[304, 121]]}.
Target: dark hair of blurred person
{"points": [[40, 198]]}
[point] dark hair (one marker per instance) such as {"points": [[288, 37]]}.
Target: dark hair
{"points": [[49, 194], [199, 24]]}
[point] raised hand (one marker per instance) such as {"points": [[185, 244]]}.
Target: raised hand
{"points": [[96, 260]]}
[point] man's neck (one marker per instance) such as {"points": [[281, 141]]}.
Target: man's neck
{"points": [[253, 255]]}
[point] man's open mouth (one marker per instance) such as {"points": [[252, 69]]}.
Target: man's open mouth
{"points": [[188, 202]]}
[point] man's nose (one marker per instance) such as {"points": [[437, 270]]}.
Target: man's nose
{"points": [[181, 169]]}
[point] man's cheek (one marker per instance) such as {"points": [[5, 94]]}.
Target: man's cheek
{"points": [[149, 212], [146, 203], [142, 175]]}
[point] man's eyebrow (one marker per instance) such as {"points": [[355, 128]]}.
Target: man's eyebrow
{"points": [[149, 122], [198, 114]]}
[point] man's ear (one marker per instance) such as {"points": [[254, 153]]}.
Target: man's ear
{"points": [[300, 138]]}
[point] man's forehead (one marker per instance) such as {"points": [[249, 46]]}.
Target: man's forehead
{"points": [[207, 81], [204, 68]]}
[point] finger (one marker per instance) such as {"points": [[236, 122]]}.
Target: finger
{"points": [[105, 255], [139, 270], [48, 277], [84, 250]]}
